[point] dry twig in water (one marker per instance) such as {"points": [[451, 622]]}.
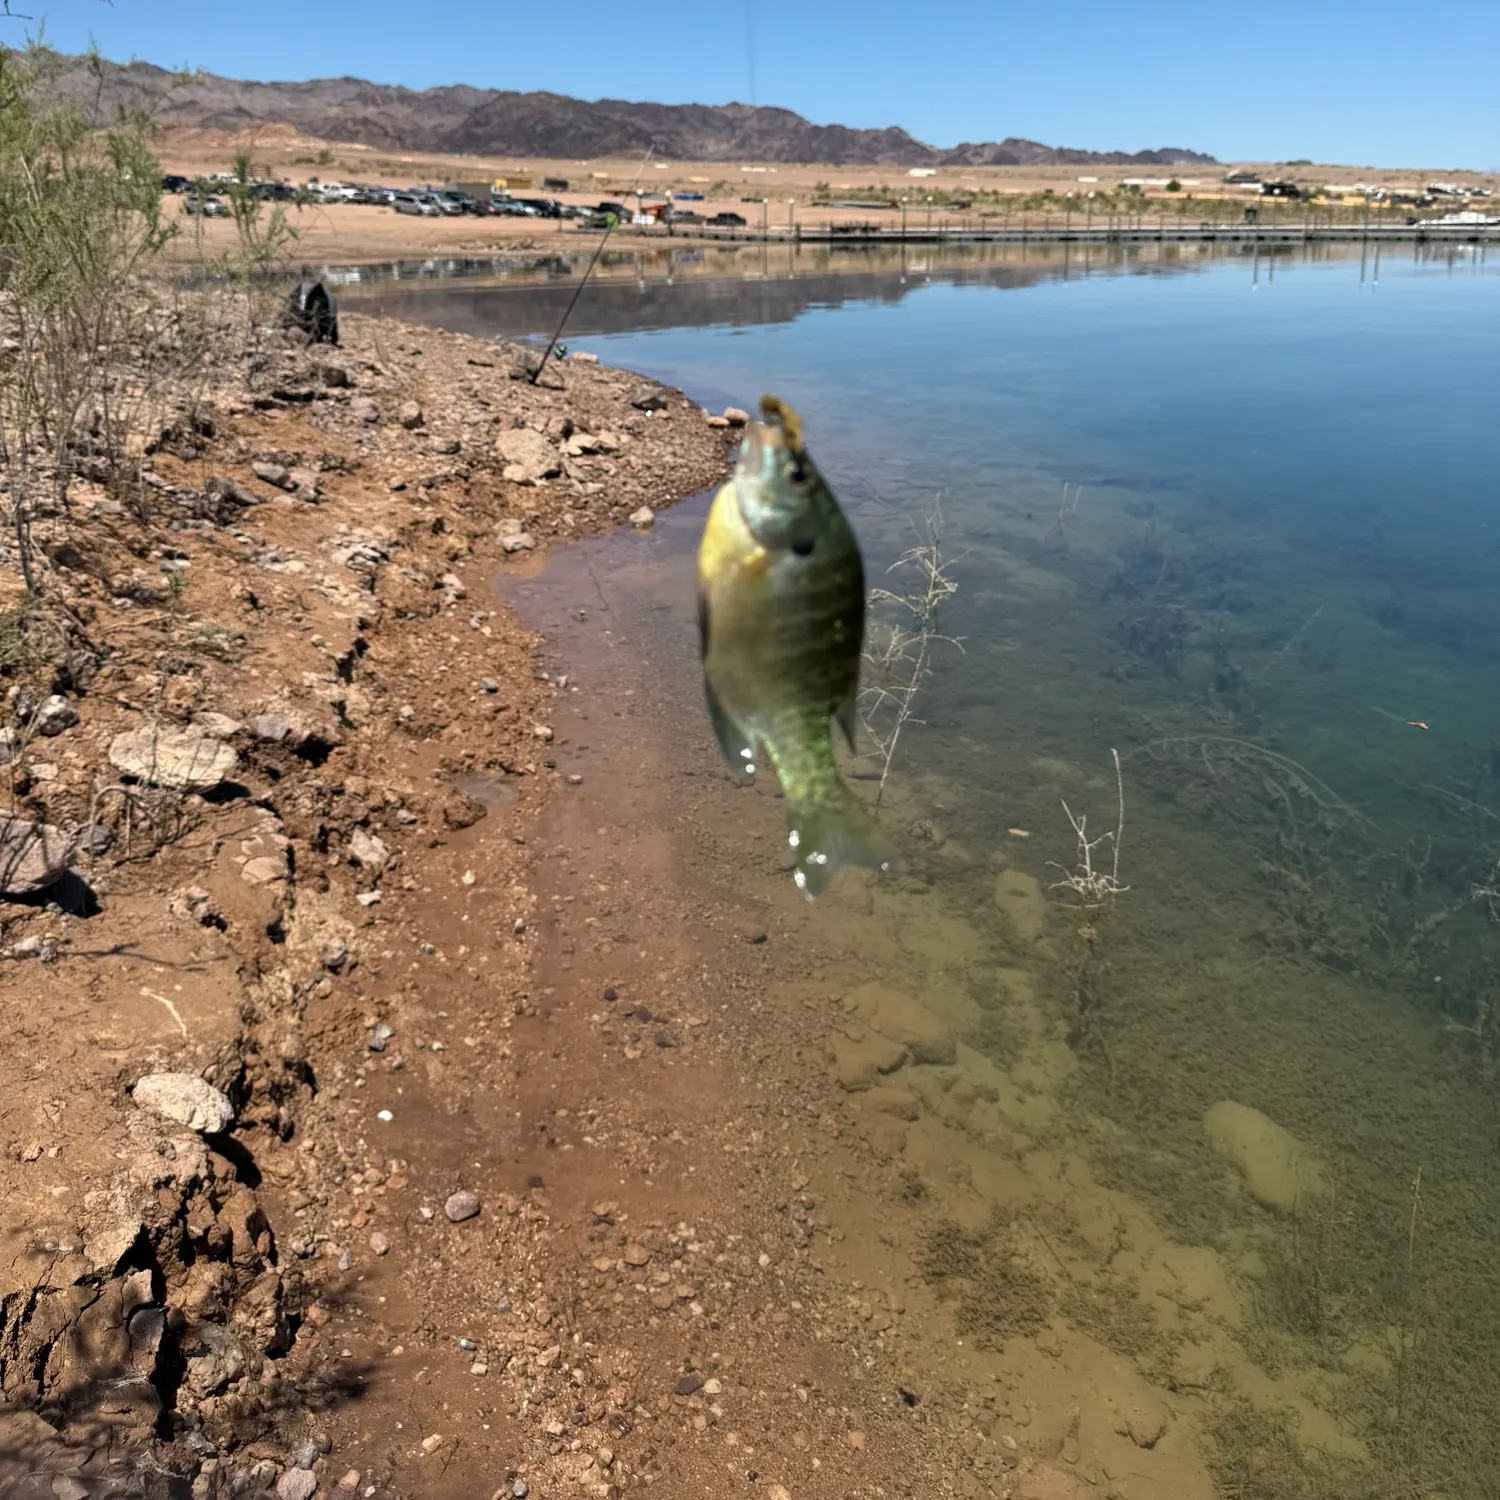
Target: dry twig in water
{"points": [[1092, 887], [901, 653]]}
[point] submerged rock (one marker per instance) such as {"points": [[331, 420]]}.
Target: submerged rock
{"points": [[1278, 1169]]}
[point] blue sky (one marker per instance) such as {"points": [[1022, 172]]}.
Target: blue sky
{"points": [[1364, 82]]}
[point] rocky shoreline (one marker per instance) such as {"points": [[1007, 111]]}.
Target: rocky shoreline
{"points": [[288, 682]]}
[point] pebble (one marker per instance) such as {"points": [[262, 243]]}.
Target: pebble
{"points": [[643, 519], [346, 1261], [488, 685], [433, 1443], [273, 728], [386, 1116], [297, 1484], [305, 1456], [350, 1481], [479, 1368], [735, 417], [689, 1385], [467, 1345], [520, 1489], [461, 1205], [410, 415], [518, 926], [368, 898], [379, 1036], [379, 1244], [55, 715]]}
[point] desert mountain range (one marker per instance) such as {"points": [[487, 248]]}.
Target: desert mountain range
{"points": [[501, 122]]}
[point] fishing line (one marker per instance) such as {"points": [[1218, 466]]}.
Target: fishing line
{"points": [[609, 229]]}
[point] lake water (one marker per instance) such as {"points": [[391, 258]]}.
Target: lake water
{"points": [[1238, 518]]}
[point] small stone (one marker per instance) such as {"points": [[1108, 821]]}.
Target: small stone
{"points": [[432, 1444], [334, 955], [520, 1489], [363, 409], [350, 1481], [32, 855], [518, 926], [488, 685], [305, 483], [647, 397], [461, 1205], [346, 1261], [713, 1387], [856, 1440], [689, 1385], [580, 358], [273, 728], [527, 456], [265, 869], [410, 415], [384, 1116], [272, 473], [368, 852], [379, 1036], [637, 1255], [543, 732], [448, 447], [297, 1484], [643, 519], [716, 421], [368, 898], [187, 1099], [734, 417], [55, 715], [95, 839], [379, 1244], [513, 536], [305, 1456], [220, 726], [479, 1368]]}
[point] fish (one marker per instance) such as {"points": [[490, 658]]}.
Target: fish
{"points": [[781, 618]]}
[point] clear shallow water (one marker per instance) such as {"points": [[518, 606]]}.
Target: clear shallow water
{"points": [[1277, 555]]}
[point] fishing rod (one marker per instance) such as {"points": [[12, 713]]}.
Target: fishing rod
{"points": [[609, 229]]}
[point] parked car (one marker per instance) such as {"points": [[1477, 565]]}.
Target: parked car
{"points": [[548, 208], [454, 203], [623, 214], [172, 182], [273, 192], [683, 216], [205, 207], [411, 203], [729, 220]]}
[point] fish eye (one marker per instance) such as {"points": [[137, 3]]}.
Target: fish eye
{"points": [[796, 471], [803, 546]]}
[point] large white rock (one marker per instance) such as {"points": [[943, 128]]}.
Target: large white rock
{"points": [[187, 1099], [173, 758]]}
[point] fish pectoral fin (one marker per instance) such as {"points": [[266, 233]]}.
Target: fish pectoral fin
{"points": [[733, 741], [848, 716]]}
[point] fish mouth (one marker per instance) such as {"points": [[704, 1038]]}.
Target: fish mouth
{"points": [[778, 433]]}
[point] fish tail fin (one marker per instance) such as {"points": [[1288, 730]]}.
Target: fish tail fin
{"points": [[831, 830]]}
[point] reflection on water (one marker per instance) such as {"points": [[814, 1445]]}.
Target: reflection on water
{"points": [[1242, 527]]}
